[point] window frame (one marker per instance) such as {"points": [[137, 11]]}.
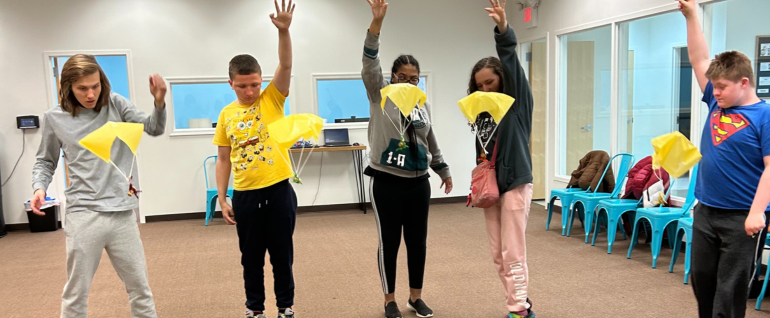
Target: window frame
{"points": [[177, 132], [354, 76]]}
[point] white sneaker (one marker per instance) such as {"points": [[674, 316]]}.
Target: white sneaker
{"points": [[288, 313]]}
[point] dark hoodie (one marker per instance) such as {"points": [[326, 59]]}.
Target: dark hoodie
{"points": [[514, 163]]}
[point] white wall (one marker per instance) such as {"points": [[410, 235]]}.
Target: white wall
{"points": [[198, 38], [745, 20]]}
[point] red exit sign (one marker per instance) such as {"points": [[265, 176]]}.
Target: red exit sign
{"points": [[527, 14]]}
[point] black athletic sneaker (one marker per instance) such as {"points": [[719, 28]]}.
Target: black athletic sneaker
{"points": [[391, 310], [420, 308]]}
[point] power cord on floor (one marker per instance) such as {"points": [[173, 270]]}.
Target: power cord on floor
{"points": [[23, 144], [320, 171]]}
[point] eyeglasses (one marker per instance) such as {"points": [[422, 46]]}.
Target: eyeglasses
{"points": [[413, 80]]}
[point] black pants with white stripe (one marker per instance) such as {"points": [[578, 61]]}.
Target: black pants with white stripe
{"points": [[400, 204], [723, 259]]}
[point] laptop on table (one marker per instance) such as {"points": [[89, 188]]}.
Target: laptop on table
{"points": [[336, 138]]}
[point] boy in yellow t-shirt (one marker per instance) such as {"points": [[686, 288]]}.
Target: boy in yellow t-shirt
{"points": [[264, 206], [255, 158]]}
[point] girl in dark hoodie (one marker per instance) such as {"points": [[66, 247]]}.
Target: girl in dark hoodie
{"points": [[507, 220]]}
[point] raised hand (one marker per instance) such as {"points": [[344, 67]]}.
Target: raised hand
{"points": [[497, 12], [158, 90], [687, 7], [379, 9], [283, 15]]}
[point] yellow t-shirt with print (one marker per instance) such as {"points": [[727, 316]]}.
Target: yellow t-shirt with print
{"points": [[257, 161]]}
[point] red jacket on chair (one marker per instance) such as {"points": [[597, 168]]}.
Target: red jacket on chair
{"points": [[641, 177]]}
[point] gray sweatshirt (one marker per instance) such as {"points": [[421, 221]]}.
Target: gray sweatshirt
{"points": [[383, 135], [95, 185]]}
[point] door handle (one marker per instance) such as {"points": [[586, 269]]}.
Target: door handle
{"points": [[587, 127]]}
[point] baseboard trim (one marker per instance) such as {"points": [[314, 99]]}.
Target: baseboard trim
{"points": [[302, 209], [460, 199], [179, 217], [23, 227]]}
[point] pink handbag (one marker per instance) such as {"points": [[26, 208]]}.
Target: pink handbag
{"points": [[484, 190]]}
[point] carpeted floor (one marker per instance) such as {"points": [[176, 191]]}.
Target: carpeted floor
{"points": [[195, 271]]}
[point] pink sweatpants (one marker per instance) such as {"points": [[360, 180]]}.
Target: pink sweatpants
{"points": [[506, 224]]}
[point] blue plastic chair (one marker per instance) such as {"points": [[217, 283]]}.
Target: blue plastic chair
{"points": [[613, 211], [589, 200], [767, 277], [211, 193], [683, 229], [565, 196], [663, 218]]}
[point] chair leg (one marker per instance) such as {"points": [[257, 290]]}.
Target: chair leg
{"points": [[566, 214], [675, 252], [550, 213], [589, 213], [688, 248], [210, 207], [570, 219], [597, 226], [612, 228], [764, 289], [208, 211], [656, 244], [574, 209], [634, 237]]}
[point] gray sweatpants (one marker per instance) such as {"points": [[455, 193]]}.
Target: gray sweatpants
{"points": [[88, 233]]}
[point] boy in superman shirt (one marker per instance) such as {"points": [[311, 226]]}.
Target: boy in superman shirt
{"points": [[733, 186]]}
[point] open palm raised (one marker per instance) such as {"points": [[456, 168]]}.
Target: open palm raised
{"points": [[497, 12], [158, 89], [283, 15], [379, 8]]}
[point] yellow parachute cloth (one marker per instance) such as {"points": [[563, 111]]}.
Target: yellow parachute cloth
{"points": [[496, 104], [100, 141], [290, 129], [675, 153], [405, 96]]}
